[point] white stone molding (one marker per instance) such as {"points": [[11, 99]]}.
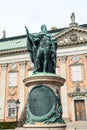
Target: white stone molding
{"points": [[4, 66], [12, 93], [14, 58], [22, 64], [62, 59], [72, 51]]}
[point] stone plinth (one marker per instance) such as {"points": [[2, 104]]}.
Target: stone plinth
{"points": [[44, 78], [41, 126], [43, 103]]}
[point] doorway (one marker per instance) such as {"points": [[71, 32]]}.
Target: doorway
{"points": [[80, 113]]}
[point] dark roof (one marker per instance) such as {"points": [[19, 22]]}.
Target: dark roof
{"points": [[83, 25], [12, 38]]}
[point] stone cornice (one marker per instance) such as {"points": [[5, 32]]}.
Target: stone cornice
{"points": [[74, 36], [78, 91], [22, 64], [78, 94], [14, 58], [4, 66], [72, 43], [69, 50], [69, 30], [46, 78], [12, 51]]}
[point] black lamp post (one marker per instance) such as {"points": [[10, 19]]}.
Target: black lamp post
{"points": [[17, 107]]}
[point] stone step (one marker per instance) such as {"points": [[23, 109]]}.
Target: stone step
{"points": [[77, 125]]}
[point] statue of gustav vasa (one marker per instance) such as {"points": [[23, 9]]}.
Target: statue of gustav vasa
{"points": [[42, 48], [43, 104]]}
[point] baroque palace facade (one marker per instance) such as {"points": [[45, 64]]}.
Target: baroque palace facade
{"points": [[15, 66]]}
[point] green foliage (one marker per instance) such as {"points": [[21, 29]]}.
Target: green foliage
{"points": [[7, 125]]}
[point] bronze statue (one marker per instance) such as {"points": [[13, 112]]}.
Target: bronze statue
{"points": [[42, 48], [43, 104]]}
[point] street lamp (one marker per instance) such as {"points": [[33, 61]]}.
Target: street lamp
{"points": [[17, 107]]}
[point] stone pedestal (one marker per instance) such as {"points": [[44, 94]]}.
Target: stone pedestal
{"points": [[51, 80], [42, 102], [41, 126]]}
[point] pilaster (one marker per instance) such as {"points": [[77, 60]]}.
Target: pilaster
{"points": [[64, 88], [22, 86], [2, 91]]}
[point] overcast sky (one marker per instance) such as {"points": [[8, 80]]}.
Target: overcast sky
{"points": [[15, 14]]}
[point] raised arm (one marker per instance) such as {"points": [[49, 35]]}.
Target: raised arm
{"points": [[31, 47], [27, 30], [29, 39]]}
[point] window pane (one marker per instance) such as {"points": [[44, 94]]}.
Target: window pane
{"points": [[9, 112], [76, 73], [13, 79], [12, 109]]}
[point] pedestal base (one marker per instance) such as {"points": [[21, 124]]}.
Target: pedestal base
{"points": [[44, 109], [41, 126]]}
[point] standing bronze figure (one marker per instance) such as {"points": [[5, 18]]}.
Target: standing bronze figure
{"points": [[42, 48]]}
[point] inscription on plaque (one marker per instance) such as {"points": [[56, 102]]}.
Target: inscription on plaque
{"points": [[41, 100]]}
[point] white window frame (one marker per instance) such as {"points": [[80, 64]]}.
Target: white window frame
{"points": [[12, 79], [76, 73], [12, 109]]}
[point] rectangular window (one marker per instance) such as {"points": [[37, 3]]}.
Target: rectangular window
{"points": [[76, 73], [11, 109], [13, 79]]}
